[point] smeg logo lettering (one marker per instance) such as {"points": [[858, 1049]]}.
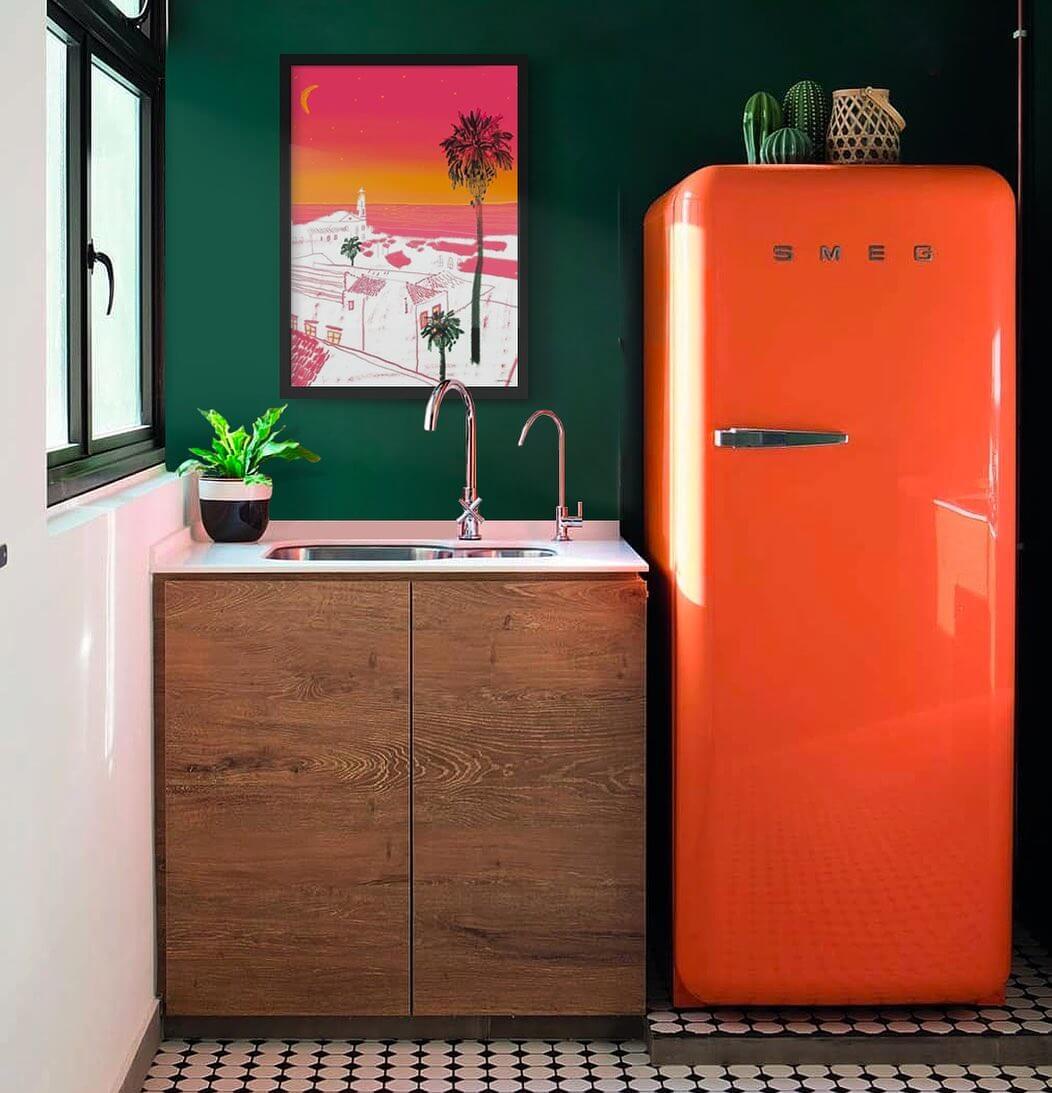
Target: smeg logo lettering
{"points": [[834, 252]]}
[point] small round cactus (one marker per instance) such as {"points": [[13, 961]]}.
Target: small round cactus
{"points": [[786, 145], [806, 107], [762, 116]]}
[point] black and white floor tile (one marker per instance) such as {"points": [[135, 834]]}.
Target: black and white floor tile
{"points": [[1027, 1010], [533, 1066]]}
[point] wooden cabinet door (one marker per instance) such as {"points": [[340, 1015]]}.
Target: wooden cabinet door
{"points": [[285, 721], [528, 744]]}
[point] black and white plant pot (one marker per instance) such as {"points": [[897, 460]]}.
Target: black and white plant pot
{"points": [[233, 511]]}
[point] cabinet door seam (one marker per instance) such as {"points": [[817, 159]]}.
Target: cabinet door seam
{"points": [[411, 949]]}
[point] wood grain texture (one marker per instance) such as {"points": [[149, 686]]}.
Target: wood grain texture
{"points": [[286, 811], [528, 743]]}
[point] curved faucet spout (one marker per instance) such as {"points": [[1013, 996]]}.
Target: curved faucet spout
{"points": [[470, 518], [563, 520], [562, 446]]}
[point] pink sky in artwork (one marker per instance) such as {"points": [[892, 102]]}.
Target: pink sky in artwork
{"points": [[379, 127]]}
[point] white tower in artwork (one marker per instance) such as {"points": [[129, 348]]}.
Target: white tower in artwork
{"points": [[361, 204]]}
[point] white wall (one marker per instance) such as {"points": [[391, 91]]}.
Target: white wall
{"points": [[76, 863]]}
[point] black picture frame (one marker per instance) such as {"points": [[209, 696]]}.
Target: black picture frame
{"points": [[287, 61]]}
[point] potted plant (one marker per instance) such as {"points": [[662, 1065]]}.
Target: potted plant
{"points": [[234, 492]]}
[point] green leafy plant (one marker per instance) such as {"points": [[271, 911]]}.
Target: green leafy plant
{"points": [[350, 248], [441, 330], [238, 454]]}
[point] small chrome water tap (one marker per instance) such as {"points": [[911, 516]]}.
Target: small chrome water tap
{"points": [[470, 520], [563, 520]]}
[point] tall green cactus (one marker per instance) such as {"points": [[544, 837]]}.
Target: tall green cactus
{"points": [[786, 146], [807, 108], [762, 116]]}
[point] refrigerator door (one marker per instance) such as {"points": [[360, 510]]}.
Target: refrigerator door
{"points": [[844, 668]]}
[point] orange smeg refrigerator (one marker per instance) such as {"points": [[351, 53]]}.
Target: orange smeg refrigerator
{"points": [[830, 483]]}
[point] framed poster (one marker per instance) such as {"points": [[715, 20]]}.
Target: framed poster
{"points": [[402, 225]]}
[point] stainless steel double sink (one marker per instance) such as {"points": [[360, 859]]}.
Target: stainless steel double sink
{"points": [[395, 552]]}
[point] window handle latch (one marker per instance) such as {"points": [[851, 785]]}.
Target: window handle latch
{"points": [[104, 260], [143, 14]]}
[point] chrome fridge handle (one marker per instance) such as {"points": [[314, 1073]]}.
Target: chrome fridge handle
{"points": [[742, 437]]}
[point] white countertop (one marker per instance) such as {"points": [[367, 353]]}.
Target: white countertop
{"points": [[595, 548]]}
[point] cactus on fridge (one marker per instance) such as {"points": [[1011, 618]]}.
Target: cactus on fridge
{"points": [[762, 116]]}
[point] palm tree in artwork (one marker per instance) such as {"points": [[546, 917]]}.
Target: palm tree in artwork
{"points": [[475, 151], [350, 248], [441, 330]]}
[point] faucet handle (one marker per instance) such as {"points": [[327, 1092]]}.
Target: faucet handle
{"points": [[573, 521], [564, 521], [470, 519], [471, 509]]}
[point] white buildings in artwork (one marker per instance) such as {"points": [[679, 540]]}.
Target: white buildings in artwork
{"points": [[367, 315], [322, 235]]}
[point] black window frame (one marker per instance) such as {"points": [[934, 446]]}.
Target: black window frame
{"points": [[132, 49]]}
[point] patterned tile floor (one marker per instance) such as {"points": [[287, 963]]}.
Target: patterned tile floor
{"points": [[1027, 1010], [535, 1066]]}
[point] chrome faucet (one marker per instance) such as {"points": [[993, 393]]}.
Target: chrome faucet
{"points": [[470, 519], [563, 520]]}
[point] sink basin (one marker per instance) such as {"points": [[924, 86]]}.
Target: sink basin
{"points": [[502, 552], [358, 552], [395, 552]]}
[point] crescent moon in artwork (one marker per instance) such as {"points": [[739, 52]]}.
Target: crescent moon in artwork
{"points": [[305, 97]]}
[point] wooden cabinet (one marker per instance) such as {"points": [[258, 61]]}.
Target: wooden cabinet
{"points": [[285, 796], [528, 797], [310, 729]]}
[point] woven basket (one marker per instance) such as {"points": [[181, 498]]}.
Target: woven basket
{"points": [[864, 127]]}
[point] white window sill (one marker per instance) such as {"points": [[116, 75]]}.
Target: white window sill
{"points": [[97, 503]]}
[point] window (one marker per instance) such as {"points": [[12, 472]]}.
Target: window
{"points": [[57, 243], [131, 8], [104, 149]]}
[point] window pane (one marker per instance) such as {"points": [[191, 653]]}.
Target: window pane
{"points": [[116, 218], [133, 8], [57, 247]]}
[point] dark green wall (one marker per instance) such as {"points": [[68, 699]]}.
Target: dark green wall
{"points": [[1033, 740], [625, 98]]}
